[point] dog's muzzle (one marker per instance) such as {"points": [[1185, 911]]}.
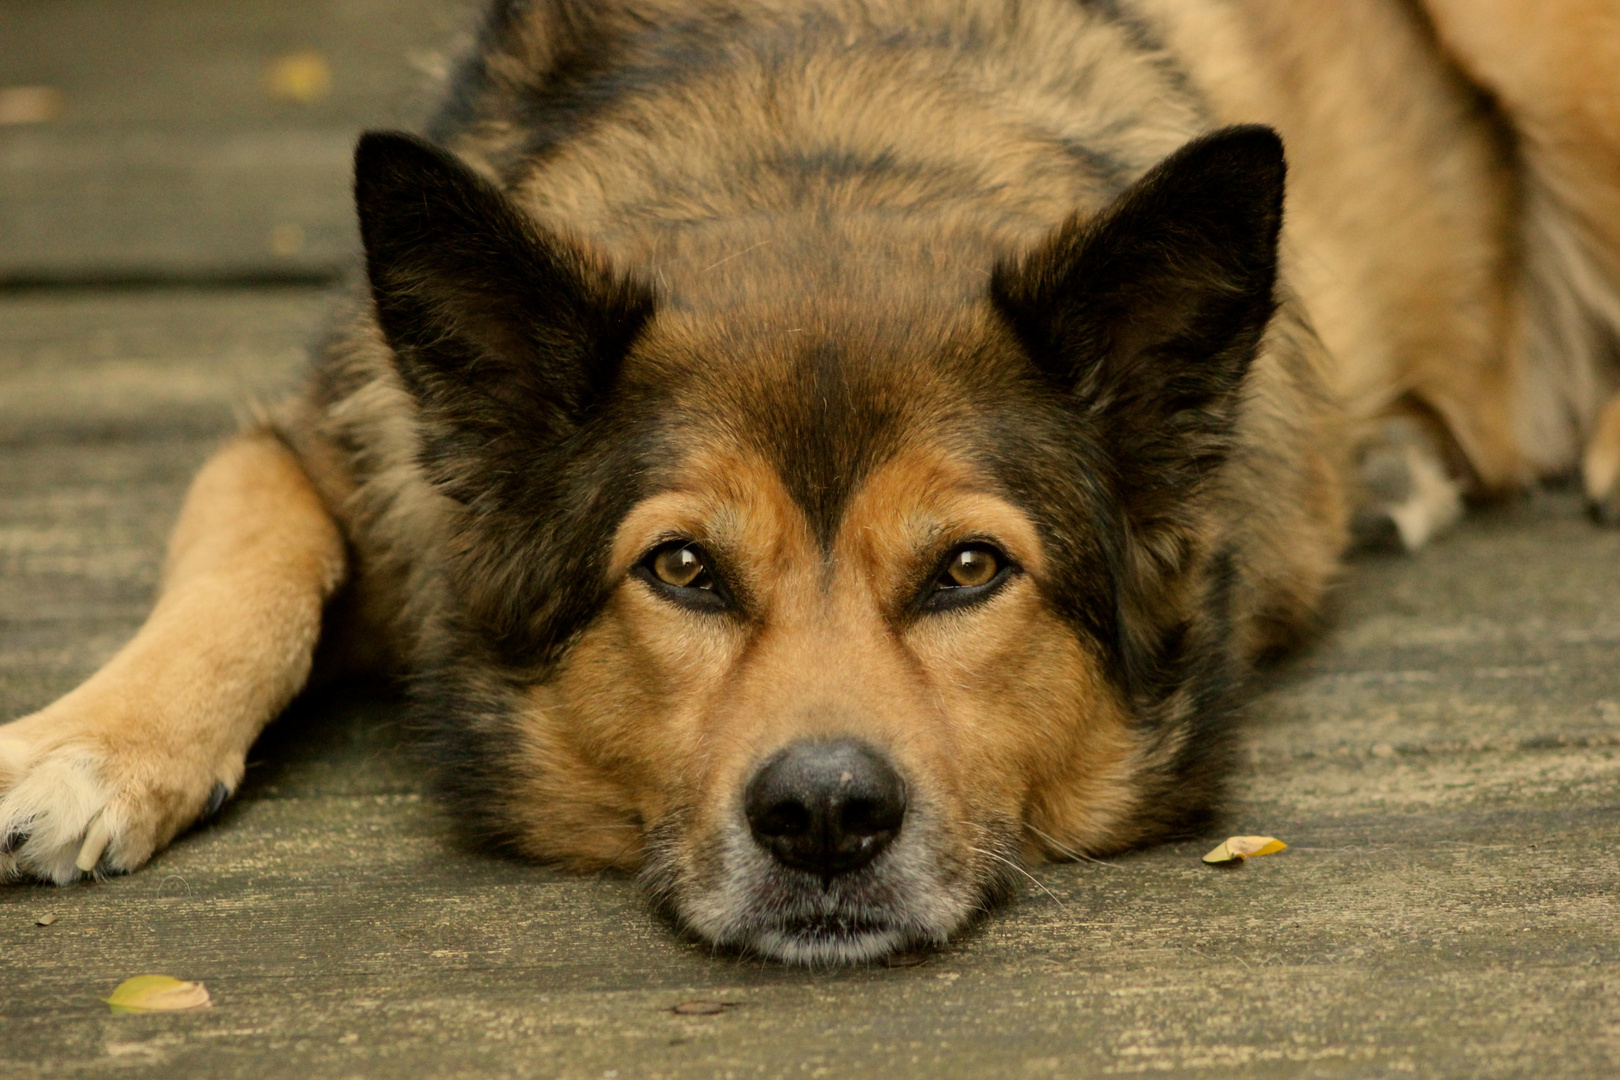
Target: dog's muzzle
{"points": [[831, 860]]}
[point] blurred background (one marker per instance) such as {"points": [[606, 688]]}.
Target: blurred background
{"points": [[201, 140], [175, 212], [174, 217]]}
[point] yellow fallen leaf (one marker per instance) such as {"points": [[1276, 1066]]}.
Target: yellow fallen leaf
{"points": [[287, 239], [158, 993], [303, 77], [30, 104], [1238, 848]]}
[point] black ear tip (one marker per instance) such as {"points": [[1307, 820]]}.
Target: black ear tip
{"points": [[1262, 138], [378, 145], [1254, 148], [381, 152]]}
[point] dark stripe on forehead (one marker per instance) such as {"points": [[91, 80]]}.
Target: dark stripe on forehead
{"points": [[825, 426]]}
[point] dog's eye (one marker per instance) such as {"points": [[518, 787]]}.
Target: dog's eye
{"points": [[683, 572], [969, 567], [682, 567], [971, 573]]}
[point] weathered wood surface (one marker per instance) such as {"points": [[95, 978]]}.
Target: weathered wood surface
{"points": [[172, 160], [1443, 763]]}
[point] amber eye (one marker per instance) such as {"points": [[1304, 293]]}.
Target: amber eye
{"points": [[969, 575], [683, 573], [682, 567], [970, 567]]}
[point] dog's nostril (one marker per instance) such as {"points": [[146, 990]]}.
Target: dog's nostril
{"points": [[825, 807], [869, 817], [784, 819]]}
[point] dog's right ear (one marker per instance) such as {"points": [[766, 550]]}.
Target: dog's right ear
{"points": [[1147, 318], [498, 327]]}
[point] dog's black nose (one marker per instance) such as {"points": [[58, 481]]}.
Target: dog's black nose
{"points": [[825, 807]]}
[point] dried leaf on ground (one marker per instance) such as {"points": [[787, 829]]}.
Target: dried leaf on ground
{"points": [[302, 77], [30, 104], [286, 239], [158, 993], [1238, 848]]}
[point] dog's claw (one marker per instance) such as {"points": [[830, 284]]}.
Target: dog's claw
{"points": [[95, 843], [13, 840], [216, 801]]}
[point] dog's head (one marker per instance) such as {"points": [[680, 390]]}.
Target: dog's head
{"points": [[829, 610]]}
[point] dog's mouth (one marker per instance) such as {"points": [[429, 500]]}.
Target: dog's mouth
{"points": [[798, 919], [738, 898], [830, 941]]}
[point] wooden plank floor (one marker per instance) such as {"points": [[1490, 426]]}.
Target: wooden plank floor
{"points": [[1445, 763], [174, 156]]}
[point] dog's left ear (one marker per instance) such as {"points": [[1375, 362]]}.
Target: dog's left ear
{"points": [[498, 327], [1151, 313]]}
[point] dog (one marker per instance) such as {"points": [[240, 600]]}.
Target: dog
{"points": [[824, 456]]}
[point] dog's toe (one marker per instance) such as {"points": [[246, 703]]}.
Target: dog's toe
{"points": [[1602, 481], [48, 815]]}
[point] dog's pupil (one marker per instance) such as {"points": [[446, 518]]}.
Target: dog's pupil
{"points": [[680, 567], [972, 566]]}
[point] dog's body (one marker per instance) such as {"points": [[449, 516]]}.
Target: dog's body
{"points": [[826, 453]]}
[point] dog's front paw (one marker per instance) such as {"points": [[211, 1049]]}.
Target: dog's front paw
{"points": [[78, 797]]}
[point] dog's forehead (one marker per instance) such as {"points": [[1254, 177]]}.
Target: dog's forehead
{"points": [[825, 403], [907, 507]]}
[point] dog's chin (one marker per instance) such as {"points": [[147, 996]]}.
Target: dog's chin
{"points": [[831, 945], [744, 902], [808, 923]]}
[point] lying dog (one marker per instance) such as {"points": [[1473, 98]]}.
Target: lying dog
{"points": [[828, 454]]}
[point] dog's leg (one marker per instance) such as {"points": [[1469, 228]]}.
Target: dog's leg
{"points": [[157, 738], [1601, 467], [1409, 487], [1554, 65]]}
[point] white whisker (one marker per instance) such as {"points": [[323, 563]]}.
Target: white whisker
{"points": [[1008, 862], [1070, 852]]}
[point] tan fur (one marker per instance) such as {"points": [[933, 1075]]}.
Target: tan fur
{"points": [[1552, 65], [1399, 201], [1449, 270], [127, 760], [969, 704]]}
